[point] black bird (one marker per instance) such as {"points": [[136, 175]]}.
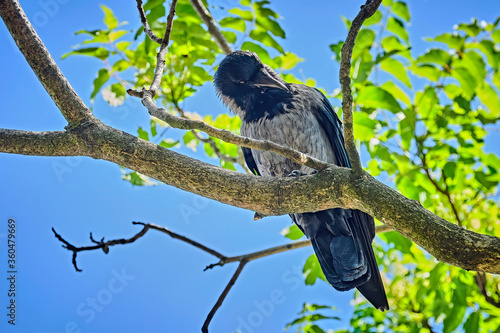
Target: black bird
{"points": [[301, 118]]}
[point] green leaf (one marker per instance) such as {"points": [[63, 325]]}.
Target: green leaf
{"points": [[474, 63], [364, 127], [472, 323], [374, 19], [261, 52], [120, 65], [400, 242], [116, 35], [98, 52], [114, 94], [287, 61], [436, 56], [466, 80], [99, 81], [396, 26], [489, 97], [397, 92], [454, 41], [401, 9], [427, 71], [265, 38], [244, 14], [312, 270], [472, 29], [365, 40], [169, 143], [397, 69], [109, 18], [270, 25], [122, 45], [190, 141], [375, 97], [143, 134], [235, 23], [292, 232], [496, 36], [230, 36], [449, 169], [426, 102]]}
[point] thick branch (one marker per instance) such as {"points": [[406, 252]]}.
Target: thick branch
{"points": [[204, 14], [42, 63], [330, 188], [366, 11], [59, 143]]}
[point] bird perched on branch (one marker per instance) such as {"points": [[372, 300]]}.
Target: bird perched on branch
{"points": [[300, 117]]}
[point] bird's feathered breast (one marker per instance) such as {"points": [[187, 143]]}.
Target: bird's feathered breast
{"points": [[288, 121]]}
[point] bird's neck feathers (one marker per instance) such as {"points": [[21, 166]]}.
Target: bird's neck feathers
{"points": [[262, 103]]}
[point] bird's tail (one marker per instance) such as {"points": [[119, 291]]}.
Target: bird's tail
{"points": [[342, 242]]}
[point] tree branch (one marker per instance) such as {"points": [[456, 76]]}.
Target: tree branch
{"points": [[204, 14], [145, 24], [42, 63], [217, 305], [366, 11], [227, 136], [160, 57], [329, 188], [242, 259], [99, 245], [58, 143]]}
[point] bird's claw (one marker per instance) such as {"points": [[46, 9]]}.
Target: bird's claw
{"points": [[297, 173]]}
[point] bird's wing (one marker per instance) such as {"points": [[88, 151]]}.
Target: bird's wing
{"points": [[332, 125], [249, 160], [360, 224]]}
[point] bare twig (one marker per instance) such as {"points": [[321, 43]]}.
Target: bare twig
{"points": [[99, 244], [221, 298], [242, 259], [160, 57], [227, 136], [145, 24], [480, 278], [182, 238], [366, 11], [204, 14], [278, 249]]}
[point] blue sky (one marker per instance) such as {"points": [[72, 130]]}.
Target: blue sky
{"points": [[156, 284]]}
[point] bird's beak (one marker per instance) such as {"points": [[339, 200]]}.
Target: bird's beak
{"points": [[264, 80]]}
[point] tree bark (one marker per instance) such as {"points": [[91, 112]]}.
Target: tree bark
{"points": [[330, 188]]}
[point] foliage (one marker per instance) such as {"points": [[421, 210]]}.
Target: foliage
{"points": [[422, 118]]}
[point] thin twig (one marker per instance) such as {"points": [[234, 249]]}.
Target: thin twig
{"points": [[145, 24], [182, 238], [227, 136], [222, 296], [204, 14], [480, 278], [160, 57], [278, 249], [366, 11], [99, 244]]}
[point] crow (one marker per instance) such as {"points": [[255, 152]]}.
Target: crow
{"points": [[302, 118]]}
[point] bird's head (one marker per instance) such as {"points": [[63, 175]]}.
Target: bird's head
{"points": [[241, 76]]}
